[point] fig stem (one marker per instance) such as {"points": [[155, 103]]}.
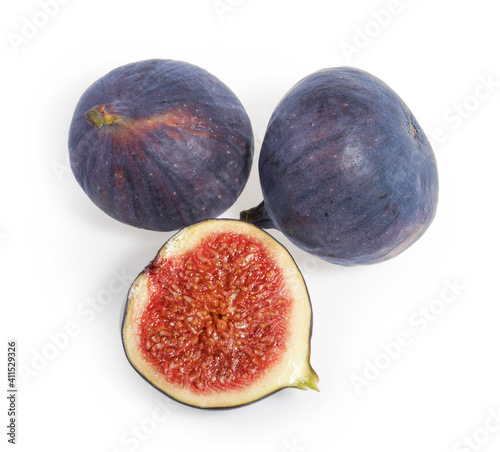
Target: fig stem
{"points": [[311, 382], [257, 216], [98, 117]]}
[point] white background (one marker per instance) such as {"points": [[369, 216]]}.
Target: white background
{"points": [[61, 298]]}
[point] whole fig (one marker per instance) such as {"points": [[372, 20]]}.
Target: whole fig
{"points": [[346, 171]]}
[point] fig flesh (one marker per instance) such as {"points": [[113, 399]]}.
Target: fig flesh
{"points": [[220, 318], [161, 144], [346, 171]]}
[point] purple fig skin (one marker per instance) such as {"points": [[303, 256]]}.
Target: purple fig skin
{"points": [[161, 144], [346, 171]]}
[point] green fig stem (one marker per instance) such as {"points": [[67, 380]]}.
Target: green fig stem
{"points": [[98, 117], [257, 216], [311, 382]]}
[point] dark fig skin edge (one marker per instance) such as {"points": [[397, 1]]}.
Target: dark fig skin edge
{"points": [[161, 144], [346, 171], [123, 315]]}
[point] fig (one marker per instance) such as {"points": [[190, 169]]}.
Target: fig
{"points": [[221, 317], [346, 171], [160, 144]]}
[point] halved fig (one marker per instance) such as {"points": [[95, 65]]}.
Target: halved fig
{"points": [[220, 318]]}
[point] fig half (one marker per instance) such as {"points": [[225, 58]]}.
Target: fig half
{"points": [[220, 318]]}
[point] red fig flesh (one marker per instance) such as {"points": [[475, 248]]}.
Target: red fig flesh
{"points": [[221, 317]]}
